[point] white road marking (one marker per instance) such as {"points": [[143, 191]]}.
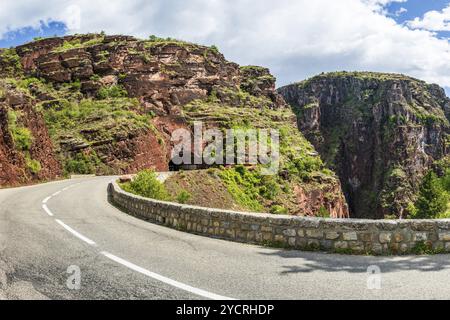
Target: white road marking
{"points": [[44, 202], [75, 233], [71, 186], [46, 199], [174, 283], [46, 209], [166, 280]]}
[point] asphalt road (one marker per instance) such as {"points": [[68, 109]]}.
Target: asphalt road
{"points": [[121, 257]]}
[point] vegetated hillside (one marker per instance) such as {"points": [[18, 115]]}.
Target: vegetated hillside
{"points": [[26, 152], [110, 104], [302, 187], [202, 188], [381, 133]]}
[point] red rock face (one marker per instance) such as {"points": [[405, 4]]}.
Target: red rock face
{"points": [[328, 201], [161, 76], [10, 163], [380, 132], [13, 162]]}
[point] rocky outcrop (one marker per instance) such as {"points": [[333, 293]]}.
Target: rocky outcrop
{"points": [[26, 151], [327, 201], [379, 132], [162, 74], [259, 82], [111, 103]]}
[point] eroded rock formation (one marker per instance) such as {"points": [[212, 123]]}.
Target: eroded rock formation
{"points": [[379, 132], [26, 151], [111, 103]]}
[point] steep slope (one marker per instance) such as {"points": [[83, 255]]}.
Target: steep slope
{"points": [[26, 151], [111, 103], [302, 185], [380, 132]]}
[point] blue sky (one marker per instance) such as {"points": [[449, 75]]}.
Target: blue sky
{"points": [[416, 8], [296, 39], [27, 34]]}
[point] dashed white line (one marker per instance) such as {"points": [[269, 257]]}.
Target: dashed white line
{"points": [[68, 187], [174, 283], [166, 280], [65, 226], [46, 199], [47, 210], [75, 233]]}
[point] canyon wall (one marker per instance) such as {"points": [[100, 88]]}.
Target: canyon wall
{"points": [[380, 132]]}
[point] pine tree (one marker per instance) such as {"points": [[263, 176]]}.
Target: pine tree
{"points": [[433, 199], [446, 180]]}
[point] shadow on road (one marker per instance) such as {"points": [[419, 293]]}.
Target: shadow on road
{"points": [[306, 262]]}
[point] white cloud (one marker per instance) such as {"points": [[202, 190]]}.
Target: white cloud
{"points": [[401, 11], [433, 21], [380, 5], [295, 38]]}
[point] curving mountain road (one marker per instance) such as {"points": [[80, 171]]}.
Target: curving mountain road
{"points": [[47, 228]]}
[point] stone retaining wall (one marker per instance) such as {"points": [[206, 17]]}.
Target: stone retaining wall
{"points": [[382, 237]]}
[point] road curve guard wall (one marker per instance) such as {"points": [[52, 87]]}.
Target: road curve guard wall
{"points": [[379, 237]]}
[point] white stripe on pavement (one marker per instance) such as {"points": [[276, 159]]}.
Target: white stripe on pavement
{"points": [[166, 280], [174, 283], [75, 233], [46, 199], [46, 209]]}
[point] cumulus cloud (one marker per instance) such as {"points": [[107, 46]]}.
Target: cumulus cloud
{"points": [[433, 21], [380, 5], [401, 11], [295, 38]]}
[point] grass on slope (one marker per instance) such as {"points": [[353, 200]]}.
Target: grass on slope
{"points": [[94, 120], [205, 187], [299, 163]]}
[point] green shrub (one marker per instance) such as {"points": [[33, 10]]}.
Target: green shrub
{"points": [[154, 38], [95, 77], [323, 213], [433, 198], [242, 185], [183, 197], [269, 188], [33, 165], [76, 85], [422, 248], [25, 83], [276, 209], [82, 164], [23, 138], [146, 184], [445, 180], [215, 49], [76, 43], [12, 59], [249, 187], [115, 91]]}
